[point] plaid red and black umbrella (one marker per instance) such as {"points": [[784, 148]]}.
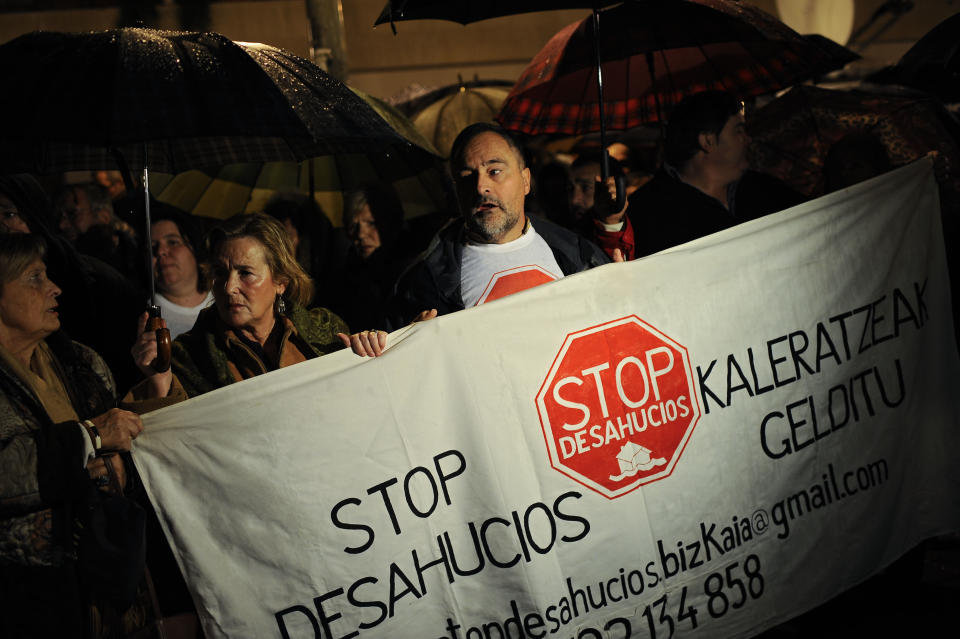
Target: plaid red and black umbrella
{"points": [[654, 53], [468, 11]]}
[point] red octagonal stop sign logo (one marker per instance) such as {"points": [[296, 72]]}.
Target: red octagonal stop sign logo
{"points": [[618, 406]]}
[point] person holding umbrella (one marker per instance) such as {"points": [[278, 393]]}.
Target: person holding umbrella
{"points": [[179, 269], [593, 203], [704, 185]]}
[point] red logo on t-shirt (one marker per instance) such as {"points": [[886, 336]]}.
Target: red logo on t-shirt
{"points": [[513, 281]]}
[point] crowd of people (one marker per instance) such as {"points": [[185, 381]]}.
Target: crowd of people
{"points": [[267, 290]]}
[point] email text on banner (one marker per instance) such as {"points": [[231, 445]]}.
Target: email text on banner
{"points": [[729, 584]]}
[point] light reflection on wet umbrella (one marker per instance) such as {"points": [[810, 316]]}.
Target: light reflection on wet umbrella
{"points": [[76, 100]]}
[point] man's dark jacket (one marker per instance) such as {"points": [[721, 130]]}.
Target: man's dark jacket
{"points": [[433, 280], [666, 211]]}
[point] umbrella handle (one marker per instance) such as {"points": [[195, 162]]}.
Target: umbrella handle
{"points": [[619, 180], [621, 183], [162, 362]]}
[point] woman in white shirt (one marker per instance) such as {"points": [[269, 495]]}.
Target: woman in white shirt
{"points": [[183, 287]]}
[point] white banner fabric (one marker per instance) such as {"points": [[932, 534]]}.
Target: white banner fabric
{"points": [[703, 443]]}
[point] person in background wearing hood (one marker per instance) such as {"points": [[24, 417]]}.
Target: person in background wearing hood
{"points": [[373, 220]]}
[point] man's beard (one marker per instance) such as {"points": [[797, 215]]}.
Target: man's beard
{"points": [[492, 227]]}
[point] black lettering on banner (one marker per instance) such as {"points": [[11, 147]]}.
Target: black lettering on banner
{"points": [[841, 319], [866, 324], [375, 599], [717, 584], [339, 523], [729, 587], [486, 546], [445, 471], [563, 516], [551, 522], [619, 621], [326, 619], [798, 354], [475, 538], [523, 541], [789, 431], [705, 391], [382, 489], [662, 618], [363, 603], [743, 384], [758, 389], [446, 477], [797, 351], [710, 543], [878, 319], [775, 361], [764, 439], [830, 352], [303, 610], [921, 304], [826, 492], [434, 500], [397, 575], [440, 561]]}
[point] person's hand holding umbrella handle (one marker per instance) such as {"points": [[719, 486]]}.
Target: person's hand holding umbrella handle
{"points": [[609, 195], [148, 353], [155, 323], [620, 182]]}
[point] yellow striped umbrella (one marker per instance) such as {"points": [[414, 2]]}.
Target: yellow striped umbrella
{"points": [[244, 188], [443, 120]]}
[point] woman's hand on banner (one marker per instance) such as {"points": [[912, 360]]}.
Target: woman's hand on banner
{"points": [[373, 343], [365, 343]]}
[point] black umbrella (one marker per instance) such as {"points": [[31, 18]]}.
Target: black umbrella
{"points": [[77, 100], [467, 11], [932, 64], [173, 101]]}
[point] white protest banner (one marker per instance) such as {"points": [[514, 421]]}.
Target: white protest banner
{"points": [[702, 443]]}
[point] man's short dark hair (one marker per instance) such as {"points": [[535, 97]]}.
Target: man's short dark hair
{"points": [[701, 113], [469, 133]]}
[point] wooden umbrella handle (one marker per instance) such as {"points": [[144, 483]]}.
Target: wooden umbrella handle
{"points": [[162, 362]]}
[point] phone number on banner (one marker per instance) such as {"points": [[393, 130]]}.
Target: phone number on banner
{"points": [[729, 588]]}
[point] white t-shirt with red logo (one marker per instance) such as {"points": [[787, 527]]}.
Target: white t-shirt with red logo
{"points": [[492, 271]]}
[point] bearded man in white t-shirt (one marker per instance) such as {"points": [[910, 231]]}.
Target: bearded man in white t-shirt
{"points": [[493, 249]]}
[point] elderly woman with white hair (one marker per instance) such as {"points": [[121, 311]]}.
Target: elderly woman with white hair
{"points": [[58, 422]]}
